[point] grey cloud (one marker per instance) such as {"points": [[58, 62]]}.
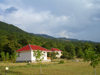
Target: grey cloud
{"points": [[82, 23], [10, 10]]}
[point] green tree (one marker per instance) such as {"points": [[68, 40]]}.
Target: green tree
{"points": [[70, 48], [79, 52], [98, 48], [13, 57], [65, 54], [3, 41], [3, 56], [92, 57], [23, 41], [38, 54], [7, 56], [53, 55]]}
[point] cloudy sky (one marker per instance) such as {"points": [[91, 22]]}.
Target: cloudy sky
{"points": [[78, 19]]}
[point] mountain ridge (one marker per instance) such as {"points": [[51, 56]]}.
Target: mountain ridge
{"points": [[12, 28]]}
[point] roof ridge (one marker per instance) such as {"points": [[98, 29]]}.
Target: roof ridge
{"points": [[30, 47], [38, 46]]}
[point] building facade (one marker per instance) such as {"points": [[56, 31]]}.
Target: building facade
{"points": [[26, 54]]}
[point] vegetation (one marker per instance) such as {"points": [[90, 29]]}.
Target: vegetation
{"points": [[12, 38], [38, 54], [93, 58], [52, 55], [68, 68], [61, 62]]}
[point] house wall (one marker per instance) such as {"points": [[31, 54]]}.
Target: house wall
{"points": [[29, 56], [33, 59], [44, 55], [59, 54], [24, 56]]}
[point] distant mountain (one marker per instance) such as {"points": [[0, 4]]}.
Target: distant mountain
{"points": [[68, 39], [9, 28], [45, 36], [59, 38]]}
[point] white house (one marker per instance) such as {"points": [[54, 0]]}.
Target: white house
{"points": [[58, 51], [27, 53]]}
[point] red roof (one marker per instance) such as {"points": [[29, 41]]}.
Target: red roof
{"points": [[55, 49], [32, 47]]}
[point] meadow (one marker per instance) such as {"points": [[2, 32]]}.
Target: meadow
{"points": [[53, 68]]}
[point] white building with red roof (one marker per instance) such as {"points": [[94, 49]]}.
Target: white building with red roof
{"points": [[27, 53], [58, 51]]}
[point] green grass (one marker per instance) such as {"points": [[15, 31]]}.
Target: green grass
{"points": [[68, 68]]}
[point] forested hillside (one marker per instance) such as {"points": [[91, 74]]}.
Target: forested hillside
{"points": [[13, 38]]}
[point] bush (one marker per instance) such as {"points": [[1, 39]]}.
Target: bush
{"points": [[61, 62], [28, 63]]}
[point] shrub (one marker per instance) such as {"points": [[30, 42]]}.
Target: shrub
{"points": [[28, 63], [61, 62]]}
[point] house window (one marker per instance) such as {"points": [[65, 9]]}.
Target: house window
{"points": [[18, 54]]}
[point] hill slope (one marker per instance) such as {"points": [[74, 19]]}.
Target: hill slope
{"points": [[13, 38], [9, 27]]}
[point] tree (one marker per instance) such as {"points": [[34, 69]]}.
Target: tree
{"points": [[3, 56], [70, 48], [92, 57], [79, 52], [64, 54], [98, 48], [23, 41], [38, 54], [3, 41], [7, 56], [52, 55], [13, 57]]}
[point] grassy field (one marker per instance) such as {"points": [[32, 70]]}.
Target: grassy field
{"points": [[68, 68]]}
